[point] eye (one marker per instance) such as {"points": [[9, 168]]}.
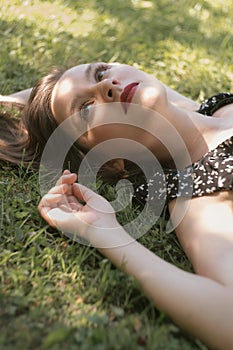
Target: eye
{"points": [[85, 110], [100, 72]]}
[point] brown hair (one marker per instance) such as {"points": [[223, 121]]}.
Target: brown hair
{"points": [[13, 135], [23, 137]]}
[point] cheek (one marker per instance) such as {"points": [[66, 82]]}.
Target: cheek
{"points": [[121, 140], [102, 133]]}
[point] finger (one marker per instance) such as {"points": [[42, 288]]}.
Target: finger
{"points": [[59, 189], [67, 178], [50, 199], [83, 193], [92, 199], [66, 172], [76, 206], [65, 208], [55, 195], [73, 199]]}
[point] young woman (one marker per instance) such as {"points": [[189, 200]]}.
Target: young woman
{"points": [[200, 303]]}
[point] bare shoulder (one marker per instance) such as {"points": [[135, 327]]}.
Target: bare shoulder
{"points": [[209, 213], [206, 234]]}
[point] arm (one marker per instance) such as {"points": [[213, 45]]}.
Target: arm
{"points": [[18, 97], [198, 304]]}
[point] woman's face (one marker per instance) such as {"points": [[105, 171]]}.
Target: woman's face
{"points": [[85, 89]]}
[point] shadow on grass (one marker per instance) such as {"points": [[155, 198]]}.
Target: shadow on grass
{"points": [[150, 22], [48, 327], [121, 30]]}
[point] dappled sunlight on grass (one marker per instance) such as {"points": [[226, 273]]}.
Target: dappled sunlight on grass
{"points": [[60, 17], [142, 4], [135, 32]]}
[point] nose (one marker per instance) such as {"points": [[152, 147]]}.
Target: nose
{"points": [[108, 90]]}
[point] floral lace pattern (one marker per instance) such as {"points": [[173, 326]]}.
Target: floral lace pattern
{"points": [[212, 173]]}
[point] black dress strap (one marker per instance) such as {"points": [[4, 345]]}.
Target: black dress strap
{"points": [[215, 102]]}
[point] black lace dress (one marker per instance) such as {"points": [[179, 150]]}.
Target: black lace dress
{"points": [[212, 173]]}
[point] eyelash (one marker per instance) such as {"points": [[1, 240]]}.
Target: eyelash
{"points": [[99, 68]]}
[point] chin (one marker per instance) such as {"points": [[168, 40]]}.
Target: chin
{"points": [[152, 96]]}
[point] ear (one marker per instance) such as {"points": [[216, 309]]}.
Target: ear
{"points": [[117, 164]]}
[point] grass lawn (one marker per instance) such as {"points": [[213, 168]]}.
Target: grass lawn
{"points": [[56, 294]]}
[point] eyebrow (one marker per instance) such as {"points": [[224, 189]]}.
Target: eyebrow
{"points": [[88, 70], [87, 73]]}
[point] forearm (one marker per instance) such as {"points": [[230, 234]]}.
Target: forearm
{"points": [[199, 305], [18, 97]]}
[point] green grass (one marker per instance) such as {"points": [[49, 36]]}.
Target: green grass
{"points": [[57, 294]]}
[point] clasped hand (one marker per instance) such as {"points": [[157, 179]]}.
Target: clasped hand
{"points": [[62, 207]]}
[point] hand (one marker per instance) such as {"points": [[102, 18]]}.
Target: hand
{"points": [[62, 207]]}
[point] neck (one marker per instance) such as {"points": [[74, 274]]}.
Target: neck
{"points": [[199, 134]]}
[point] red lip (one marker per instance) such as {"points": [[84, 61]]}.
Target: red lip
{"points": [[127, 95]]}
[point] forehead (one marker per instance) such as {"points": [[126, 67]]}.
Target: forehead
{"points": [[65, 88], [74, 71], [70, 78]]}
